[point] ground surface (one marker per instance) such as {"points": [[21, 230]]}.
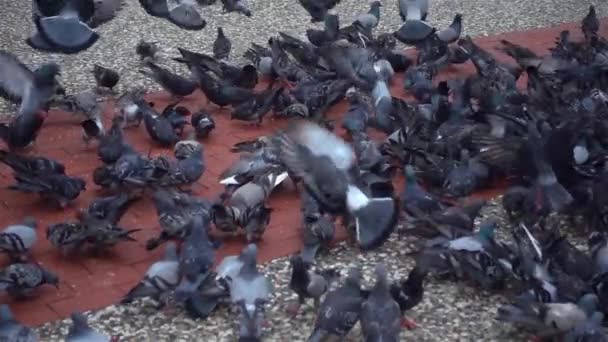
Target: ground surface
{"points": [[448, 313]]}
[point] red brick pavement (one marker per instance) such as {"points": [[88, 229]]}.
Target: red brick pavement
{"points": [[92, 283]]}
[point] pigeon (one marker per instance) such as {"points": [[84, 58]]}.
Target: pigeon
{"points": [[12, 330], [175, 212], [380, 313], [69, 28], [146, 50], [184, 15], [340, 310], [222, 45], [257, 107], [188, 168], [307, 283], [239, 6], [31, 89], [409, 292], [176, 85], [21, 279], [195, 259], [17, 239], [160, 278], [105, 77], [452, 32], [159, 127], [61, 189], [251, 290], [325, 174], [318, 9], [318, 229], [33, 165], [246, 207], [546, 319], [369, 20], [414, 29], [81, 331], [203, 124], [231, 266], [86, 103], [112, 144]]}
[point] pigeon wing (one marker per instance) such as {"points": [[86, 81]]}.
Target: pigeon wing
{"points": [[15, 77]]}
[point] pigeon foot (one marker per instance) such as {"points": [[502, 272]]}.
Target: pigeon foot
{"points": [[408, 323]]}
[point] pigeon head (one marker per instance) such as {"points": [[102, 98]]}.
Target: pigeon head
{"points": [[186, 148], [249, 253], [376, 4], [381, 273], [47, 72]]}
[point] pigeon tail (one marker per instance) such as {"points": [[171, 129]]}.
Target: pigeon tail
{"points": [[67, 34], [414, 31], [186, 17], [375, 221]]}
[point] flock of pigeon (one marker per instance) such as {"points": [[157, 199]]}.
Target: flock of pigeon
{"points": [[458, 136]]}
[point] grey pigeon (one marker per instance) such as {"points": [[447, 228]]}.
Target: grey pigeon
{"points": [[415, 28], [340, 310], [247, 167], [196, 258], [547, 319], [188, 168], [20, 279], [222, 45], [69, 28], [325, 173], [183, 14], [161, 277], [318, 229], [246, 207], [590, 330], [176, 85], [380, 313], [452, 32], [250, 290], [85, 103], [370, 19], [307, 283], [17, 239], [13, 331], [31, 89], [231, 265], [175, 211], [81, 331]]}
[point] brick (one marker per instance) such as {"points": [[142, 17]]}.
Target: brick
{"points": [[32, 313], [88, 300]]}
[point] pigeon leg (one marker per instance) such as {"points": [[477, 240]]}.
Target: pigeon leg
{"points": [[293, 309], [408, 323], [536, 339]]}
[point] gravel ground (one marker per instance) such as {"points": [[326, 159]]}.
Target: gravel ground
{"points": [[448, 312]]}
